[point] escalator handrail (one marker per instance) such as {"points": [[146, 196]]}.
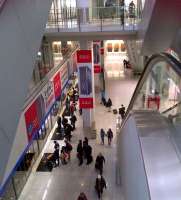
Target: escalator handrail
{"points": [[176, 66], [171, 108]]}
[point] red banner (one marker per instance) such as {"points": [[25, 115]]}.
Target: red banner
{"points": [[97, 69], [86, 103], [102, 51], [84, 56], [57, 85], [32, 121]]}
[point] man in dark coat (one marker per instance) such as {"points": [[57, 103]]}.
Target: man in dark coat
{"points": [[100, 160]]}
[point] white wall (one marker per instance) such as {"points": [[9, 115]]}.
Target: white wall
{"points": [[19, 144], [130, 161], [22, 25]]}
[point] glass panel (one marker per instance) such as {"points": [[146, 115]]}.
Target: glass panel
{"points": [[161, 89]]}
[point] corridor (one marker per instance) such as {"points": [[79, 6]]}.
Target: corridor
{"points": [[67, 181]]}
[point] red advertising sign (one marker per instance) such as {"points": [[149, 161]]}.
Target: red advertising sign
{"points": [[32, 121], [102, 51], [97, 69], [86, 103], [84, 56], [85, 72], [57, 85]]}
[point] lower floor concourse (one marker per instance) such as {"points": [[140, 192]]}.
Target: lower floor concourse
{"points": [[67, 181]]}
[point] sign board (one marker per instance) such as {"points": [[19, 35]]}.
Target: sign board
{"points": [[84, 64]]}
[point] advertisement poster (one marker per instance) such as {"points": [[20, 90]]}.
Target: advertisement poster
{"points": [[48, 95], [32, 120], [74, 61], [84, 64], [64, 74], [57, 85], [97, 56]]}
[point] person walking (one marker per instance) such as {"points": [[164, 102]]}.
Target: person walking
{"points": [[73, 119], [68, 131], [80, 152], [100, 185], [85, 143], [100, 161], [122, 111], [68, 149], [82, 196], [109, 136], [102, 135], [109, 104]]}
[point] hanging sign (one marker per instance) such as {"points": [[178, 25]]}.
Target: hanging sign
{"points": [[84, 65], [97, 56]]}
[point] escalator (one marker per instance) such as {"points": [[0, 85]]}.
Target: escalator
{"points": [[149, 143]]}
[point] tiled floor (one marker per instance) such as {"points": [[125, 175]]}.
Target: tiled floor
{"points": [[67, 181]]}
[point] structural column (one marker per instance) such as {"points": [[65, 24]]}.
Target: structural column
{"points": [[86, 82]]}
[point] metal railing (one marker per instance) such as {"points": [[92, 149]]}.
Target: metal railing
{"points": [[98, 17], [36, 90]]}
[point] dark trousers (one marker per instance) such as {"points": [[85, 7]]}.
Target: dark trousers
{"points": [[80, 157], [89, 159]]}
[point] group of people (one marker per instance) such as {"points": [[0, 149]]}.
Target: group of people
{"points": [[64, 154], [107, 103], [84, 151], [109, 135], [64, 127]]}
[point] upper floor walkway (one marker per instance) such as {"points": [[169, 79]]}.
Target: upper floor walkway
{"points": [[100, 21]]}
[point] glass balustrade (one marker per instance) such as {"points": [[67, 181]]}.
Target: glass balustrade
{"points": [[98, 18]]}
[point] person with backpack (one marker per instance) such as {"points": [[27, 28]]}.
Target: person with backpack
{"points": [[100, 161], [100, 185], [68, 149], [102, 135], [109, 136], [80, 152]]}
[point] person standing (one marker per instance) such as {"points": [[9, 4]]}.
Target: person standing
{"points": [[68, 149], [100, 185], [132, 11], [56, 145], [82, 196], [109, 136], [56, 157], [100, 161], [102, 134], [80, 152]]}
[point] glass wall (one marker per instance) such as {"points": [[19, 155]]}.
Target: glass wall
{"points": [[161, 89]]}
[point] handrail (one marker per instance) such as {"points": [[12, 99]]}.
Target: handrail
{"points": [[176, 65], [171, 108], [44, 81]]}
